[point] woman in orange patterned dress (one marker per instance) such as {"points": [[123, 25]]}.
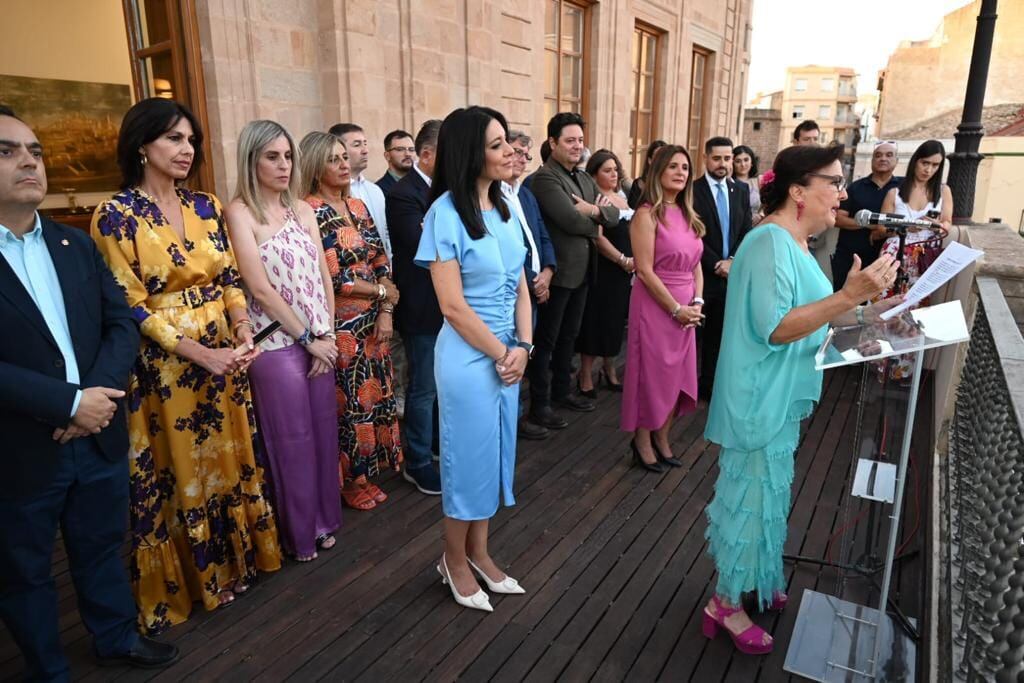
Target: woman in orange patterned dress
{"points": [[365, 299]]}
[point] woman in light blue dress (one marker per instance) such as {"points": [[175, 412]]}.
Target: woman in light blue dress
{"points": [[776, 316], [474, 248]]}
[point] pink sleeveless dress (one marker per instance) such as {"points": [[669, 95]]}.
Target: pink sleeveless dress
{"points": [[661, 356]]}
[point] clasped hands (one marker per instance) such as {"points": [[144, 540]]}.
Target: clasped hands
{"points": [[512, 365], [94, 413], [689, 316]]}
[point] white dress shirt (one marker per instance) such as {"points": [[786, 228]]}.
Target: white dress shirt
{"points": [[511, 193], [373, 197]]}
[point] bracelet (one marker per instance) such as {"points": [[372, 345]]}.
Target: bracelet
{"points": [[329, 335], [675, 311], [245, 321], [501, 361], [387, 308], [382, 292], [622, 258], [859, 313], [697, 301]]}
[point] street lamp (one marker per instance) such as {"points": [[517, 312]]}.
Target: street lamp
{"points": [[963, 162]]}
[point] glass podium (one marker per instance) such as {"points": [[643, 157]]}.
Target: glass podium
{"points": [[836, 638]]}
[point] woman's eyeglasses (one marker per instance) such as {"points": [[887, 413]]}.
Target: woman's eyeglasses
{"points": [[837, 181]]}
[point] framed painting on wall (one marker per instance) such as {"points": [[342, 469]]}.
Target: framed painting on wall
{"points": [[77, 122]]}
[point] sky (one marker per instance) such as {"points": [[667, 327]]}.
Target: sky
{"points": [[860, 34]]}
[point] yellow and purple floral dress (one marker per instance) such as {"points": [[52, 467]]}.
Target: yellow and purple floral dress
{"points": [[200, 512]]}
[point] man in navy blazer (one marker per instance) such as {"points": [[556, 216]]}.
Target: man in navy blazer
{"points": [[717, 198], [540, 263], [418, 315], [67, 347]]}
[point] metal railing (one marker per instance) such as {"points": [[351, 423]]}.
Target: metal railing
{"points": [[981, 610]]}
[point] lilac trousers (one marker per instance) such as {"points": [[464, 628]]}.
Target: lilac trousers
{"points": [[298, 424]]}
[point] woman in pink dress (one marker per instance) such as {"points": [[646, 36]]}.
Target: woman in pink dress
{"points": [[664, 310]]}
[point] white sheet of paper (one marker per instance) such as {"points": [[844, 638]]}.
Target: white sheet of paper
{"points": [[944, 322], [951, 261]]}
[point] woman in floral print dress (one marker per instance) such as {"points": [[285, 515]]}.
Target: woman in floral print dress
{"points": [[364, 303], [201, 522]]}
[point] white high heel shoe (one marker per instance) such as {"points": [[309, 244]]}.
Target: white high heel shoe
{"points": [[479, 600], [507, 586]]}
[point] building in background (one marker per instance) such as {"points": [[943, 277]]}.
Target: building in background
{"points": [[637, 70], [925, 79], [825, 94], [762, 127]]}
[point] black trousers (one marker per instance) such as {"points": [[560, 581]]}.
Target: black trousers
{"points": [[88, 501], [558, 324], [709, 340]]}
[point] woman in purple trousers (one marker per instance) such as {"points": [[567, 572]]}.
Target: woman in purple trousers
{"points": [[277, 246], [664, 309]]}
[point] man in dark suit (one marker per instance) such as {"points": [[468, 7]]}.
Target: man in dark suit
{"points": [[418, 315], [68, 345], [399, 152], [724, 206], [572, 208]]}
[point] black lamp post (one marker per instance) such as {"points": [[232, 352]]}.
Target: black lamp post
{"points": [[963, 162]]}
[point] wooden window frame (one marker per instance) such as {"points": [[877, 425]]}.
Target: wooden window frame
{"points": [[184, 49], [639, 156], [697, 151], [584, 105]]}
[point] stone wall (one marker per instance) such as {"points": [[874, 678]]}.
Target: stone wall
{"points": [[764, 140], [389, 64], [926, 78]]}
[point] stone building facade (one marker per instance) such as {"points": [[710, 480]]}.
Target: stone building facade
{"points": [[636, 69], [926, 78], [761, 131], [389, 64]]}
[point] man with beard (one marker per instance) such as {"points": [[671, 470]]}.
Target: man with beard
{"points": [[866, 193], [724, 206], [400, 153], [573, 209]]}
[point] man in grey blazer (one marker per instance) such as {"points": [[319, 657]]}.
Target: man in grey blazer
{"points": [[573, 209]]}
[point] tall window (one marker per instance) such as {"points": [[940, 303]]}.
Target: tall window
{"points": [[642, 119], [825, 111], [700, 96], [163, 39], [828, 84], [800, 85], [798, 111], [564, 44]]}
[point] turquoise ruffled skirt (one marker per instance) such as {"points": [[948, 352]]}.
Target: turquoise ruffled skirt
{"points": [[747, 518]]}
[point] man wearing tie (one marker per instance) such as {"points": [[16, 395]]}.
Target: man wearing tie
{"points": [[69, 343], [724, 206]]}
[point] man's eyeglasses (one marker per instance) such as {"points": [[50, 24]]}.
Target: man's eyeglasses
{"points": [[523, 154], [837, 181], [403, 150]]}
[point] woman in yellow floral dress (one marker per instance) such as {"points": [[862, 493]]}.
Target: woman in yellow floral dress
{"points": [[365, 298], [201, 521]]}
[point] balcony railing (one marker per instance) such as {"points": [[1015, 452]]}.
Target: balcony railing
{"points": [[978, 617]]}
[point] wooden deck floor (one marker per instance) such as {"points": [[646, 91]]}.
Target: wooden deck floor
{"points": [[613, 560]]}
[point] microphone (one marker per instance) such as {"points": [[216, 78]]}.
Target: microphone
{"points": [[865, 218]]}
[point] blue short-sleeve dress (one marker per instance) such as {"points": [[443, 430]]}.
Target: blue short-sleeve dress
{"points": [[477, 412], [762, 392]]}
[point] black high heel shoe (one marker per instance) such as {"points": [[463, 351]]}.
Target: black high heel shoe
{"points": [[639, 462], [603, 376], [592, 394], [671, 461]]}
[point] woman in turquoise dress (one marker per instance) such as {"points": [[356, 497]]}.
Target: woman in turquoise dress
{"points": [[777, 312], [474, 248]]}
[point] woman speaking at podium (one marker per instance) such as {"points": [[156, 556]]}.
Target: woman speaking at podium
{"points": [[776, 315]]}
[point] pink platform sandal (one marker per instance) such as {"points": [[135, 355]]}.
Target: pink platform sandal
{"points": [[779, 600], [750, 642]]}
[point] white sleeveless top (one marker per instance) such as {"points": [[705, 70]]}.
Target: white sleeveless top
{"points": [[293, 267], [919, 234]]}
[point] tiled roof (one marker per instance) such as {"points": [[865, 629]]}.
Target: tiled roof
{"points": [[943, 126]]}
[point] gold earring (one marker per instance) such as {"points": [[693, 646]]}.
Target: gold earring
{"points": [[145, 159]]}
